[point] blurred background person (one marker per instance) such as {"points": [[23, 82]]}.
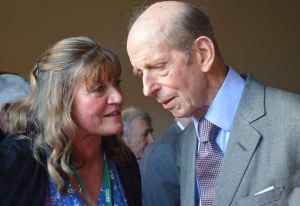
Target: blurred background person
{"points": [[12, 88], [162, 151], [138, 130], [67, 147]]}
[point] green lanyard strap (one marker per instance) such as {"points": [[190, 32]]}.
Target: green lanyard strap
{"points": [[106, 184]]}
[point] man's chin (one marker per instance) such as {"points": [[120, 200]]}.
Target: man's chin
{"points": [[177, 113]]}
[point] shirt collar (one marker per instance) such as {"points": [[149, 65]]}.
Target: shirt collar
{"points": [[180, 125], [223, 108]]}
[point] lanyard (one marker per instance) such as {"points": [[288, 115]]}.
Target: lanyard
{"points": [[106, 184]]}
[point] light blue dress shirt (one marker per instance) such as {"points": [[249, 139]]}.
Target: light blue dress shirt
{"points": [[223, 108], [222, 111]]}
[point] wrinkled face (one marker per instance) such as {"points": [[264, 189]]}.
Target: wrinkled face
{"points": [[171, 76], [97, 110], [140, 134]]}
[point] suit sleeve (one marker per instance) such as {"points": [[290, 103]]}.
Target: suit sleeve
{"points": [[159, 176]]}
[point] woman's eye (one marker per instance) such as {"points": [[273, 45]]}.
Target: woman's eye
{"points": [[99, 88], [118, 83]]}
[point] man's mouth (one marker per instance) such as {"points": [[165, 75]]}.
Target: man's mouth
{"points": [[167, 103]]}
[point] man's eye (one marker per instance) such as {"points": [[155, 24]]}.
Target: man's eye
{"points": [[159, 66]]}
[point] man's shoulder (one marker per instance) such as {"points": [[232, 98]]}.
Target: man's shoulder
{"points": [[283, 96], [253, 85], [268, 100], [283, 108], [282, 102], [271, 106]]}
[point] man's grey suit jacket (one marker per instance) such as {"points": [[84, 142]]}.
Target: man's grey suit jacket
{"points": [[262, 160]]}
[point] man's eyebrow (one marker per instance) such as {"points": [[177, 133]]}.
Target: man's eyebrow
{"points": [[135, 70], [148, 65], [155, 64], [149, 130]]}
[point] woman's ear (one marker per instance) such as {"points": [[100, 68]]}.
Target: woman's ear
{"points": [[205, 52]]}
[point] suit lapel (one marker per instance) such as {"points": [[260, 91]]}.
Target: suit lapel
{"points": [[186, 163], [244, 139], [241, 147]]}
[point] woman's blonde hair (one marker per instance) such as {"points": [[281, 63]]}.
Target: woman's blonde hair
{"points": [[46, 114]]}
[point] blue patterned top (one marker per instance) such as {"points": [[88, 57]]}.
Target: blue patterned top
{"points": [[72, 197]]}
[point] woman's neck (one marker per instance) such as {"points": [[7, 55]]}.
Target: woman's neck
{"points": [[89, 158], [87, 151]]}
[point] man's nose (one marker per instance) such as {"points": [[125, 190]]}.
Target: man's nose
{"points": [[150, 139], [150, 85]]}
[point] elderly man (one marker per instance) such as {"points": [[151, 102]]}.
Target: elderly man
{"points": [[137, 131], [243, 148], [12, 88]]}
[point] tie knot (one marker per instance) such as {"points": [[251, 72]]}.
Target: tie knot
{"points": [[207, 130]]}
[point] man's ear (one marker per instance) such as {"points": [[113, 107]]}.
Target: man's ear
{"points": [[205, 52]]}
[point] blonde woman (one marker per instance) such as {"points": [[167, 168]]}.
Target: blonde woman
{"points": [[66, 147]]}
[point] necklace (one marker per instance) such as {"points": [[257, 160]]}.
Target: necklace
{"points": [[106, 185]]}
